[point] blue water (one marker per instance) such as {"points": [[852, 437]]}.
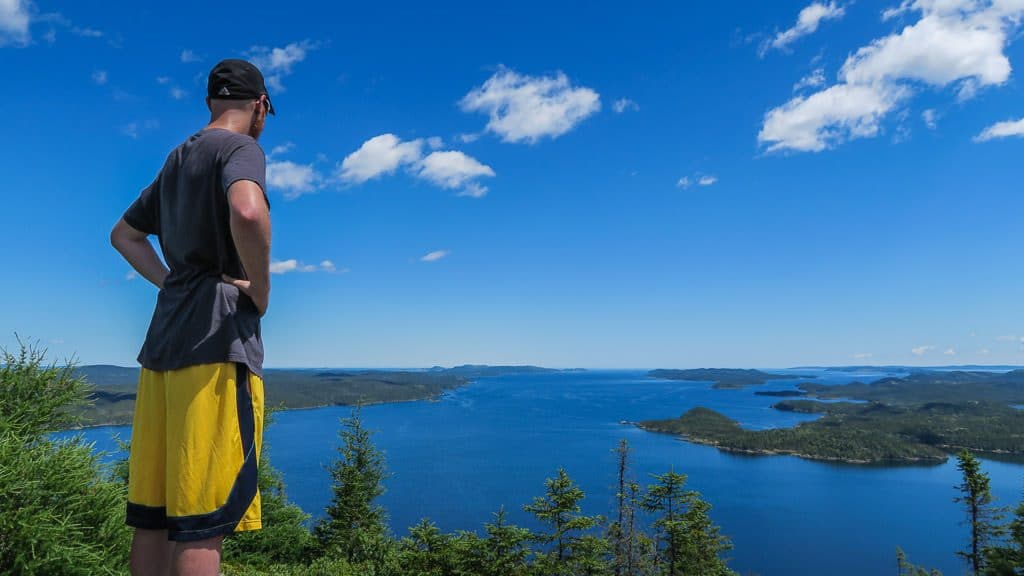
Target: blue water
{"points": [[494, 442]]}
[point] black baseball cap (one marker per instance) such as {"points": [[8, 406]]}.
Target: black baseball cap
{"points": [[235, 79]]}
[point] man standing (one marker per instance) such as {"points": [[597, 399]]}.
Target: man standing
{"points": [[198, 422]]}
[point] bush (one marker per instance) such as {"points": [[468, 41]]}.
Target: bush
{"points": [[60, 511]]}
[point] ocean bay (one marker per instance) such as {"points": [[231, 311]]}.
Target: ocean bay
{"points": [[493, 443]]}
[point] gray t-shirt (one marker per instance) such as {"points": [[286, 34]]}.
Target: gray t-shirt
{"points": [[200, 319]]}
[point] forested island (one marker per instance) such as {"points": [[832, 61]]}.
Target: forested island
{"points": [[722, 377], [923, 417], [113, 387]]}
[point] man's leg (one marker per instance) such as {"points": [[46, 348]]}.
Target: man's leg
{"points": [[151, 553], [198, 558]]}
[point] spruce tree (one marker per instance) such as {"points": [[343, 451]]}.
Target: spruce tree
{"points": [[572, 553], [905, 568], [668, 500], [505, 550], [354, 527], [982, 516], [1008, 559], [618, 533]]}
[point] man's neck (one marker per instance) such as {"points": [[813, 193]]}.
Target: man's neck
{"points": [[235, 121]]}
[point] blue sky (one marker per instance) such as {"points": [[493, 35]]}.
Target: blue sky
{"points": [[665, 185]]}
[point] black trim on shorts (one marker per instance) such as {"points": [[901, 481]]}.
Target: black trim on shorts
{"points": [[224, 519], [146, 517]]}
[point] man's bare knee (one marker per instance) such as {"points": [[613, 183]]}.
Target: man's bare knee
{"points": [[198, 558], [151, 553]]}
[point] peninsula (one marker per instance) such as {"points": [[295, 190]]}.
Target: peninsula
{"points": [[921, 418], [722, 377]]}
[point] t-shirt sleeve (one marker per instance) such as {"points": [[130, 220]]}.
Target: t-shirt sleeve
{"points": [[144, 213], [246, 162]]}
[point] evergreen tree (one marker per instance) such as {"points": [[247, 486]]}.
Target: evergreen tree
{"points": [[692, 543], [1008, 559], [428, 552], [61, 512], [573, 553], [618, 532], [354, 527], [905, 568], [982, 516], [505, 550]]}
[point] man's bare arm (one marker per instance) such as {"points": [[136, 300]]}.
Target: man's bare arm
{"points": [[134, 246], [250, 229]]}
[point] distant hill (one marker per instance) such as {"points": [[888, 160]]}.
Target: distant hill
{"points": [[911, 369], [114, 394], [722, 377]]}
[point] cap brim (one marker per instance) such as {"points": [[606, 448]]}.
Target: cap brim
{"points": [[270, 105]]}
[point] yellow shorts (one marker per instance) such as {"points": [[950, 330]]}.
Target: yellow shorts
{"points": [[195, 449]]}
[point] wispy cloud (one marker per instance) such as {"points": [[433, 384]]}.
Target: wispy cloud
{"points": [[434, 256], [14, 23], [950, 352], [699, 179], [99, 76], [813, 80], [921, 350], [862, 355], [807, 22], [624, 104], [189, 56], [528, 108], [1006, 129], [293, 179], [930, 118], [292, 265], [276, 63]]}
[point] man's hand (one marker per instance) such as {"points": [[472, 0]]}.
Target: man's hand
{"points": [[260, 296]]}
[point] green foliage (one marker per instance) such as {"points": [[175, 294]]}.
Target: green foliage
{"points": [[1007, 559], [37, 398], [60, 513], [693, 543], [982, 517], [905, 568], [573, 553], [354, 527]]}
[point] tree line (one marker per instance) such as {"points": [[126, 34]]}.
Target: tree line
{"points": [[62, 512]]}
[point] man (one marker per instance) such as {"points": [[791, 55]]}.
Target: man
{"points": [[198, 421]]}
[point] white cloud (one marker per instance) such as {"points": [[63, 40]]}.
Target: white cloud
{"points": [[131, 275], [14, 22], [379, 155], [862, 355], [435, 142], [829, 117], [955, 43], [930, 117], [189, 56], [950, 352], [99, 76], [807, 22], [1004, 129], [163, 80], [1006, 338], [177, 93], [683, 182], [452, 169], [984, 351], [434, 256], [85, 32], [293, 265], [467, 138], [707, 180], [921, 350], [813, 80], [276, 63], [293, 179], [623, 104], [528, 108], [281, 148]]}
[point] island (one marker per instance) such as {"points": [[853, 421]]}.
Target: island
{"points": [[921, 418], [112, 399], [722, 377]]}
